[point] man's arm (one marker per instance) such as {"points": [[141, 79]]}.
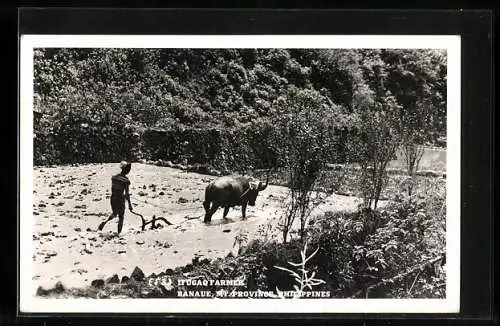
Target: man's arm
{"points": [[127, 196]]}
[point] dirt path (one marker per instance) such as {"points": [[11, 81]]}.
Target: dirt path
{"points": [[70, 202]]}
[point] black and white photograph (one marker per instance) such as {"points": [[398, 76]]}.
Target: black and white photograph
{"points": [[235, 173]]}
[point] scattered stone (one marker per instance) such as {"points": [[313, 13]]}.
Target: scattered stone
{"points": [[113, 279], [161, 193], [76, 263], [41, 291], [50, 253], [142, 193], [99, 283], [54, 225], [51, 197], [182, 200], [140, 242], [42, 205], [44, 234], [81, 206], [175, 252], [87, 251], [77, 229], [125, 279], [60, 203], [137, 274], [59, 288], [226, 230], [188, 268], [89, 230], [122, 251]]}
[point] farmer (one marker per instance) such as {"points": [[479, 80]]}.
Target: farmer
{"points": [[119, 192]]}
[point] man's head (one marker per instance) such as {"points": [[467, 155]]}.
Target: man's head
{"points": [[254, 190], [125, 167]]}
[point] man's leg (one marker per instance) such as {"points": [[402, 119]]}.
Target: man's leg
{"points": [[101, 226], [120, 222]]}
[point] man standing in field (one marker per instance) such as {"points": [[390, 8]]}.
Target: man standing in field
{"points": [[119, 193]]}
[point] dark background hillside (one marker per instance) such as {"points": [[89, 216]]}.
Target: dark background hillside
{"points": [[214, 106]]}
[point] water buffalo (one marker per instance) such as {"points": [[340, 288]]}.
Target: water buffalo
{"points": [[231, 191]]}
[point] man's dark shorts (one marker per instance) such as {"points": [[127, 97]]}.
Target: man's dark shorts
{"points": [[118, 205]]}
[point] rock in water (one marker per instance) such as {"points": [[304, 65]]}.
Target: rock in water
{"points": [[113, 279], [137, 274], [99, 283]]}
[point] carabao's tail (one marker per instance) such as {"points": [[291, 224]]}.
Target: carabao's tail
{"points": [[207, 202], [208, 197]]}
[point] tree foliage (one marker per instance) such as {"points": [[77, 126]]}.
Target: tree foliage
{"points": [[129, 91], [304, 138]]}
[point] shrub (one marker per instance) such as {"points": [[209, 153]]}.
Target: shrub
{"points": [[304, 138]]}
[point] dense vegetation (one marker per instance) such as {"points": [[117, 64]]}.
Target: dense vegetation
{"points": [[98, 105], [292, 110]]}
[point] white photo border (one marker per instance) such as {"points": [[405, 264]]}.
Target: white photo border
{"points": [[31, 304]]}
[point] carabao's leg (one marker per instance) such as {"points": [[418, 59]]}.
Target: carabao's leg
{"points": [[208, 215], [206, 205], [226, 210], [243, 210]]}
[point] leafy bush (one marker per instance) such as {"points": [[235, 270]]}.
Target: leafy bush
{"points": [[304, 138]]}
